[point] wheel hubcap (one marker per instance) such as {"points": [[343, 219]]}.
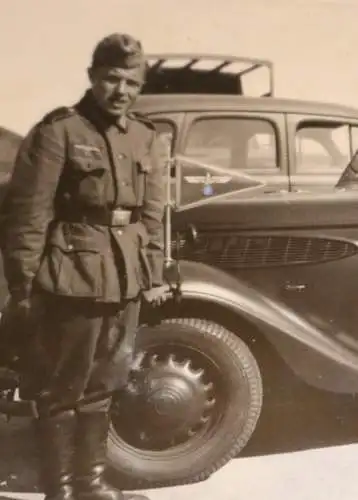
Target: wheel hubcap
{"points": [[176, 400], [177, 394]]}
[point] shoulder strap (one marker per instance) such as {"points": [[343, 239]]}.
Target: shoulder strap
{"points": [[135, 115], [58, 114]]}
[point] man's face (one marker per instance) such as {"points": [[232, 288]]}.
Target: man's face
{"points": [[115, 89]]}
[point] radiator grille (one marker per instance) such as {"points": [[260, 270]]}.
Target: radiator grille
{"points": [[236, 251]]}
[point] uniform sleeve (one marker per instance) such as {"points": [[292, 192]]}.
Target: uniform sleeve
{"points": [[29, 205], [153, 212]]}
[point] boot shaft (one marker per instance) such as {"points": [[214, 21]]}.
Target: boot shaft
{"points": [[56, 440], [91, 451], [72, 451], [91, 442], [91, 459]]}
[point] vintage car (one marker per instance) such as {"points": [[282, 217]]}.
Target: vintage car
{"points": [[262, 258]]}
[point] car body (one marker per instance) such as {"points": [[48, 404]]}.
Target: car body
{"points": [[294, 242], [295, 237]]}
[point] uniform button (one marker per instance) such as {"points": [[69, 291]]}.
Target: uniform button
{"points": [[70, 247], [119, 232]]}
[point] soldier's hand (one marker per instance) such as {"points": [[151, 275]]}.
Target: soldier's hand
{"points": [[19, 307], [23, 307], [157, 295]]}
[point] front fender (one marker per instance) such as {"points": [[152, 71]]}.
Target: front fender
{"points": [[315, 356]]}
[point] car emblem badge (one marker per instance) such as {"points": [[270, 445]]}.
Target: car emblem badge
{"points": [[208, 189]]}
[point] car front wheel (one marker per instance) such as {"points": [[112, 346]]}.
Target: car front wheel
{"points": [[198, 405]]}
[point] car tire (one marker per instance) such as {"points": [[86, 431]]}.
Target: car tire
{"points": [[237, 397]]}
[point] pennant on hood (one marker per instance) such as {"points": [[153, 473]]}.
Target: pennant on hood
{"points": [[197, 183]]}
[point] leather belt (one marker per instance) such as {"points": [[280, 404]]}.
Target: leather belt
{"points": [[118, 217]]}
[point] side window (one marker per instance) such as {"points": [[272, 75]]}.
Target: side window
{"points": [[261, 150], [322, 148], [247, 144]]}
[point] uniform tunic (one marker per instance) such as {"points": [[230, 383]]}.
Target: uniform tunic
{"points": [[72, 170]]}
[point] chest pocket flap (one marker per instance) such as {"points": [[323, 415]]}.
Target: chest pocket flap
{"points": [[88, 168]]}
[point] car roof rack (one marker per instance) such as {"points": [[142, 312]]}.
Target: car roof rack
{"points": [[190, 73]]}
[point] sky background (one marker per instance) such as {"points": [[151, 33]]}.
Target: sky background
{"points": [[46, 45]]}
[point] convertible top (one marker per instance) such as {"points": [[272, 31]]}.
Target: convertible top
{"points": [[192, 73]]}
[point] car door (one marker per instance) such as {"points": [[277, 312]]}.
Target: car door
{"points": [[250, 143]]}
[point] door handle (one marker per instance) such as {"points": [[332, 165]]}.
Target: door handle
{"points": [[295, 287], [275, 191]]}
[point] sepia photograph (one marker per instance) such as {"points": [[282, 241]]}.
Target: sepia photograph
{"points": [[178, 250]]}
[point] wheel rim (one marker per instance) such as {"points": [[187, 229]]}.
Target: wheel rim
{"points": [[179, 399]]}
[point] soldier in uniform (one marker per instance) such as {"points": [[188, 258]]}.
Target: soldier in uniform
{"points": [[84, 241]]}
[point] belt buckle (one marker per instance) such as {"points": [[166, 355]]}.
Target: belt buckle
{"points": [[120, 217]]}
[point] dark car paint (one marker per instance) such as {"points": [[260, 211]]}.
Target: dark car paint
{"points": [[318, 296], [317, 357]]}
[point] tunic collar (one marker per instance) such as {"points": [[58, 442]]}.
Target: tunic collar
{"points": [[90, 108]]}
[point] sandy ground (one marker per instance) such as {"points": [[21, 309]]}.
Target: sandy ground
{"points": [[325, 474], [305, 447]]}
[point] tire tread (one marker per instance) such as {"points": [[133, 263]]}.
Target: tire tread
{"points": [[245, 358]]}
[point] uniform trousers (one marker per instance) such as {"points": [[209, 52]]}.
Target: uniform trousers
{"points": [[77, 347]]}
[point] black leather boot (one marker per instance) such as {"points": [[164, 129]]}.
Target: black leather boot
{"points": [[55, 439], [91, 451]]}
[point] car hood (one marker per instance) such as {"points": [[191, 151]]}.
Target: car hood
{"points": [[332, 208]]}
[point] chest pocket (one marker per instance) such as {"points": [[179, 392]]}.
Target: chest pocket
{"points": [[89, 175]]}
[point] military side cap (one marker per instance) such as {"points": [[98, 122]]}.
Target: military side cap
{"points": [[118, 50]]}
